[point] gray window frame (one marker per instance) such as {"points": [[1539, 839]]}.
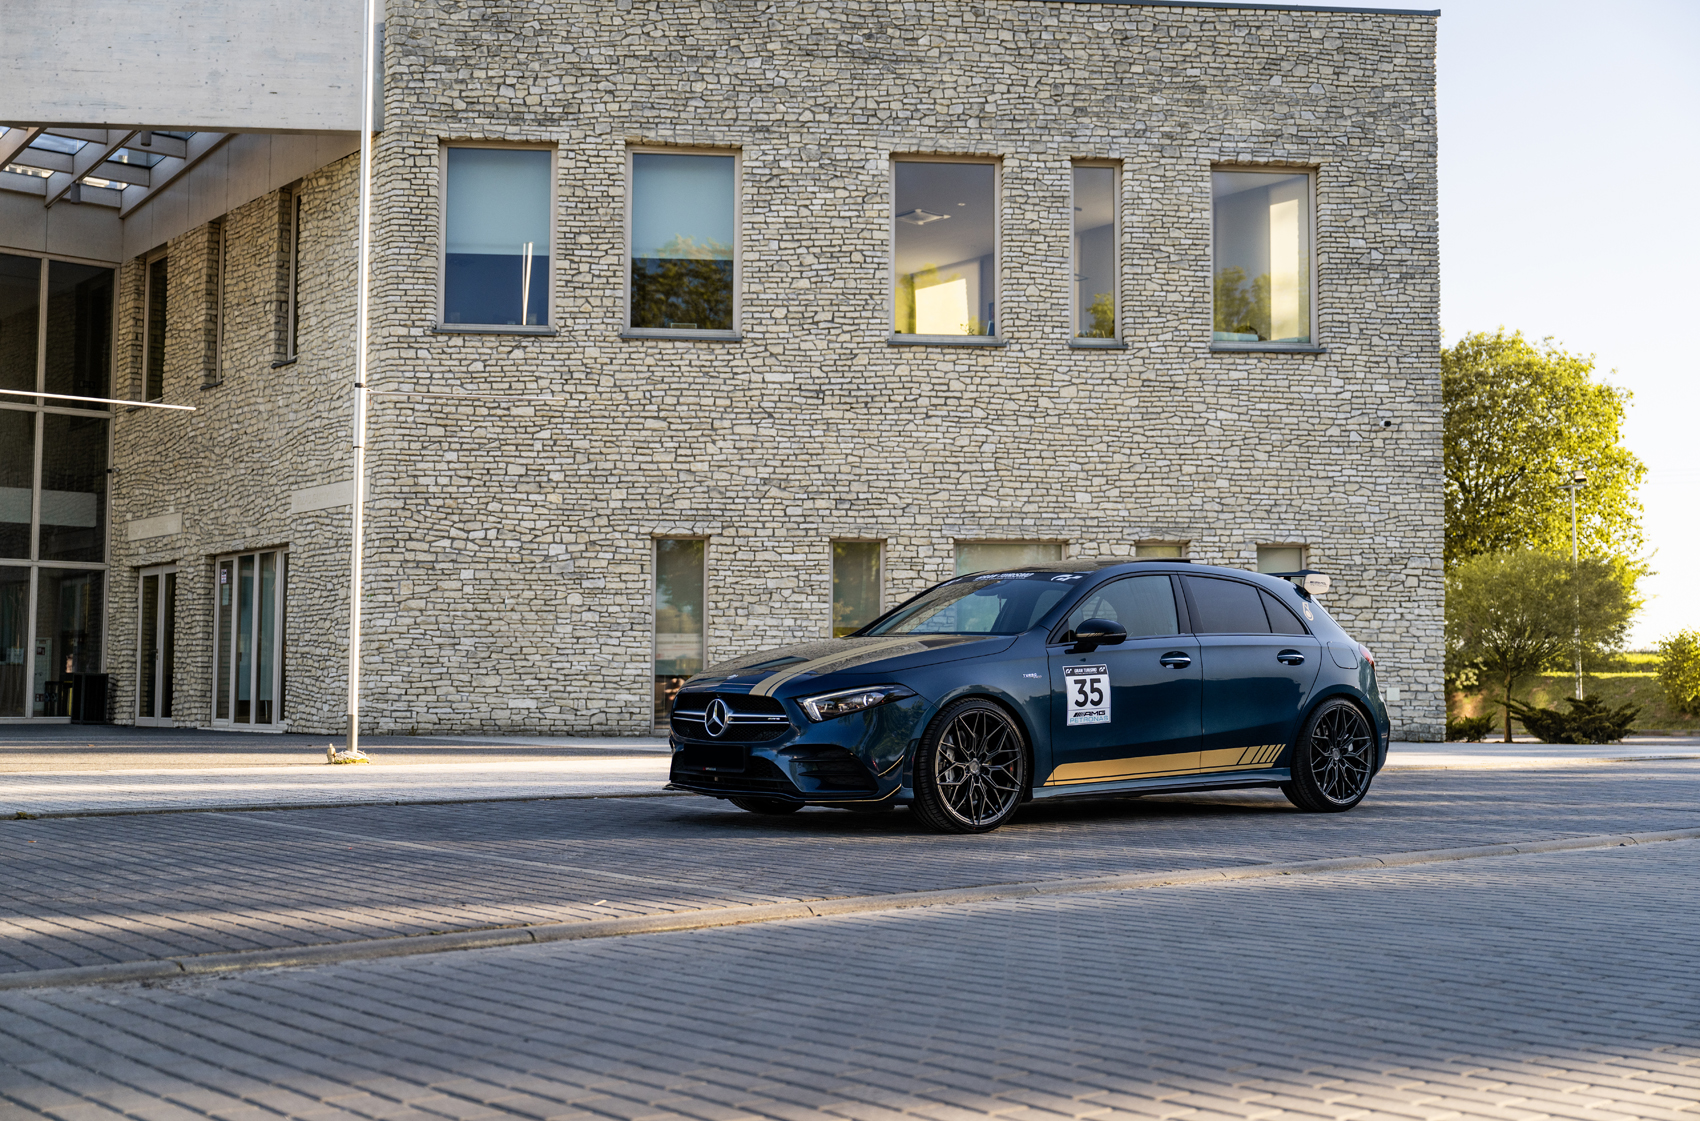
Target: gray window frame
{"points": [[892, 337], [442, 326], [1312, 172], [736, 334]]}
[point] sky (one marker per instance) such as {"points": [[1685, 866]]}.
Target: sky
{"points": [[1564, 129]]}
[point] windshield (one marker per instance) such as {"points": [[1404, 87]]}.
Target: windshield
{"points": [[986, 603]]}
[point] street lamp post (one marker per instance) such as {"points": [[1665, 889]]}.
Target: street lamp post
{"points": [[1576, 483]]}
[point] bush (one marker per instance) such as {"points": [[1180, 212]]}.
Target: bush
{"points": [[1679, 671], [1588, 721], [1469, 729]]}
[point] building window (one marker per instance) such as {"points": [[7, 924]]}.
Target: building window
{"points": [[69, 610], [1095, 242], [73, 488], [1261, 257], [684, 241], [680, 606], [1160, 550], [944, 235], [17, 481], [1280, 558], [988, 556], [153, 329], [496, 223], [79, 332], [857, 587], [14, 640], [292, 307], [156, 645], [248, 639], [219, 247], [20, 320]]}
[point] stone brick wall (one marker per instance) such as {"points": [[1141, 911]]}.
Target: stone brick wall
{"points": [[509, 547]]}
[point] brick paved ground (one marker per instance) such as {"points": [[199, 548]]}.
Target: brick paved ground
{"points": [[1561, 986], [83, 891]]}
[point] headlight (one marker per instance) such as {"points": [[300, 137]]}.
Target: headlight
{"points": [[845, 701]]}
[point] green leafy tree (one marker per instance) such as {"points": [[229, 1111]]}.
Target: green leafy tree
{"points": [[1679, 671], [689, 283], [1511, 615], [1519, 421]]}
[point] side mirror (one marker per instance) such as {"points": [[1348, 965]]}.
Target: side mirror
{"points": [[1093, 633]]}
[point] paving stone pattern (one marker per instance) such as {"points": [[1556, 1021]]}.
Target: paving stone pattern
{"points": [[1553, 986], [112, 889]]}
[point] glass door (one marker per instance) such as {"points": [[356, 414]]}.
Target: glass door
{"points": [[156, 645], [248, 649]]}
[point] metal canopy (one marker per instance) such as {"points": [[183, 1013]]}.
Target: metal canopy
{"points": [[117, 168]]}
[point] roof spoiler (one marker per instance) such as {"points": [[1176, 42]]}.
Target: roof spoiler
{"points": [[1309, 581]]}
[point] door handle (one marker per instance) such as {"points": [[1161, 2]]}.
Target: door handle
{"points": [[1175, 660], [1290, 658]]}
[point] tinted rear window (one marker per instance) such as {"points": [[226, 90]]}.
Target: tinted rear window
{"points": [[1226, 607], [1281, 617]]}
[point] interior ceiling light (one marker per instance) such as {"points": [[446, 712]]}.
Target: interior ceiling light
{"points": [[921, 217]]}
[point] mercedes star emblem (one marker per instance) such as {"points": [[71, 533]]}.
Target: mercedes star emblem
{"points": [[718, 717]]}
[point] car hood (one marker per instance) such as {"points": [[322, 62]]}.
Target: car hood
{"points": [[767, 673]]}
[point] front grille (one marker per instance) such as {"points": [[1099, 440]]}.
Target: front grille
{"points": [[754, 719]]}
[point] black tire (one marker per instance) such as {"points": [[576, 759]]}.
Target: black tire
{"points": [[1333, 760], [771, 806], [971, 769]]}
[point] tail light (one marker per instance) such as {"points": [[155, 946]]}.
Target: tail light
{"points": [[1367, 654]]}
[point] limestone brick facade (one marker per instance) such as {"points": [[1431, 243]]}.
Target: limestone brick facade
{"points": [[509, 544]]}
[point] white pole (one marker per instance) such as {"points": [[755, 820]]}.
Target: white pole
{"points": [[1576, 592], [362, 302]]}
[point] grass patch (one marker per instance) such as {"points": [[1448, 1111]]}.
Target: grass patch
{"points": [[1637, 682]]}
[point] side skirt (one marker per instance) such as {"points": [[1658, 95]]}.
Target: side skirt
{"points": [[1168, 784]]}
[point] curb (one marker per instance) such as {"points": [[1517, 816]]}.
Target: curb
{"points": [[262, 807], [1526, 764], [189, 965]]}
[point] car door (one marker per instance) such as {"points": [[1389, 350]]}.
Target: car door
{"points": [[1131, 710], [1257, 674]]}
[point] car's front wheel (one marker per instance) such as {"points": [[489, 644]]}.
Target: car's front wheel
{"points": [[1333, 760], [767, 805], [971, 769]]}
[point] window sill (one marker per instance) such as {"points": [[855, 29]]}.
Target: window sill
{"points": [[282, 362], [490, 329], [946, 340], [212, 384], [1096, 344], [678, 333], [1266, 348]]}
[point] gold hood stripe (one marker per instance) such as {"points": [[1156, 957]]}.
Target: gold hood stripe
{"points": [[826, 661]]}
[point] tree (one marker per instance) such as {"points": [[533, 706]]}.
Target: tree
{"points": [[1679, 670], [1519, 421], [1511, 615]]}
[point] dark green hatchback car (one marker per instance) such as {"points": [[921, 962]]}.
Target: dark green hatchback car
{"points": [[1066, 679]]}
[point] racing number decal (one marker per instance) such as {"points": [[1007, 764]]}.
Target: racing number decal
{"points": [[1088, 689]]}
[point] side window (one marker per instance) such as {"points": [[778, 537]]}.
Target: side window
{"points": [[496, 236], [1281, 617], [1226, 607], [1145, 605]]}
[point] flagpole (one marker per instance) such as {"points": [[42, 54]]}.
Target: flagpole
{"points": [[362, 304]]}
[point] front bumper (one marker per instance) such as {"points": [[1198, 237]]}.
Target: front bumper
{"points": [[852, 759]]}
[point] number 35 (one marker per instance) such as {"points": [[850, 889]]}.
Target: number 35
{"points": [[1084, 699]]}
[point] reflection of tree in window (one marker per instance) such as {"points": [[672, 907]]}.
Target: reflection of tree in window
{"points": [[688, 285], [1262, 256], [1242, 308]]}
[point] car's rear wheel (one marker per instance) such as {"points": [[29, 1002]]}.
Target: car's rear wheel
{"points": [[773, 806], [971, 769], [1333, 760]]}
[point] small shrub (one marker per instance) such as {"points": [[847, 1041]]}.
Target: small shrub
{"points": [[1469, 729], [1679, 671], [1588, 721]]}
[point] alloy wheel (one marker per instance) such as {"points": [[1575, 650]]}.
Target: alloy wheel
{"points": [[979, 767], [1340, 745]]}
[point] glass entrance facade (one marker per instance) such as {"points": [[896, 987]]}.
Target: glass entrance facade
{"points": [[248, 645], [55, 337]]}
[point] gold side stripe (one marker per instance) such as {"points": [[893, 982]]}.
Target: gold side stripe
{"points": [[1159, 766]]}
